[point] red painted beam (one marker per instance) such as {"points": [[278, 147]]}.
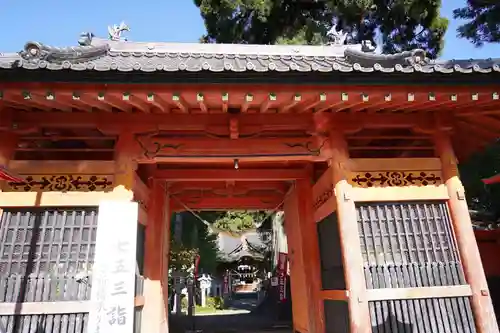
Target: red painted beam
{"points": [[248, 123], [225, 204], [172, 175], [184, 122], [239, 187], [264, 196], [261, 149]]}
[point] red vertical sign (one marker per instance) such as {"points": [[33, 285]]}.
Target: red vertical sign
{"points": [[282, 272], [226, 284], [196, 265]]}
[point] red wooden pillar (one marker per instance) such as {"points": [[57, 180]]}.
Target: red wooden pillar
{"points": [[125, 165], [154, 313], [482, 306], [359, 316], [165, 246], [303, 253], [8, 145]]}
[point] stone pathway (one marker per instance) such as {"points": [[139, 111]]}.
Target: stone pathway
{"points": [[238, 318]]}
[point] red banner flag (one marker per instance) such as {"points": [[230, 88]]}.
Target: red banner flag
{"points": [[226, 284], [282, 273], [196, 265]]}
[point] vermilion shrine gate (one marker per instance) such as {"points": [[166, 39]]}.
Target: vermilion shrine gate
{"points": [[359, 149]]}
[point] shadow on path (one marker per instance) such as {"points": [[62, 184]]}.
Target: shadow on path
{"points": [[237, 318]]}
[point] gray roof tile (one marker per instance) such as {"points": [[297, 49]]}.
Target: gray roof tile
{"points": [[95, 54], [232, 248]]}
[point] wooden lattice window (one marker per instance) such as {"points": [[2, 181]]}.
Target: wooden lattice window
{"points": [[47, 241], [412, 245]]}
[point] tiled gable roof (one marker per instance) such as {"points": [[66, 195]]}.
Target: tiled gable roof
{"points": [[95, 54], [233, 247]]}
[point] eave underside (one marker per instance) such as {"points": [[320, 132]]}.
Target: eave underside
{"points": [[289, 78], [203, 129], [63, 121]]}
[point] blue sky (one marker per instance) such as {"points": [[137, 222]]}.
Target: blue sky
{"points": [[59, 23]]}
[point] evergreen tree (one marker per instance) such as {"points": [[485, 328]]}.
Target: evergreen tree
{"points": [[483, 21], [483, 198], [196, 240], [398, 25], [482, 26], [236, 222]]}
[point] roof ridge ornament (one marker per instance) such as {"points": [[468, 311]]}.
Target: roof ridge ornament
{"points": [[412, 58], [336, 37], [116, 31], [85, 39], [339, 37], [36, 51], [367, 46]]}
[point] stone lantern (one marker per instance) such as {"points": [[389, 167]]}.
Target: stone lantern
{"points": [[205, 285]]}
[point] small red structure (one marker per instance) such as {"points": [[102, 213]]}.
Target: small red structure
{"points": [[492, 180], [7, 175], [488, 240]]}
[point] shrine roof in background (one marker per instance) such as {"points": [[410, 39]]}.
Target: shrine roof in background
{"points": [[234, 247]]}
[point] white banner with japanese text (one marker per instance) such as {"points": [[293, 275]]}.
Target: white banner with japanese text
{"points": [[113, 273]]}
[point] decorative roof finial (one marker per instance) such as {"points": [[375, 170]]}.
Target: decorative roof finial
{"points": [[367, 46], [336, 37], [85, 38], [115, 32]]}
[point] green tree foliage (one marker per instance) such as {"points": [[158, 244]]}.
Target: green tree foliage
{"points": [[482, 25], [482, 21], [238, 221], [196, 240], [398, 24], [182, 257], [199, 239]]}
